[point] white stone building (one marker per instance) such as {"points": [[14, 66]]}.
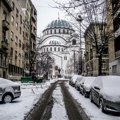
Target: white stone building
{"points": [[56, 37]]}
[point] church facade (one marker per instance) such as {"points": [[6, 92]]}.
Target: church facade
{"points": [[56, 37]]}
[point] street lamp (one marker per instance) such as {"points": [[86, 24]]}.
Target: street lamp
{"points": [[79, 19]]}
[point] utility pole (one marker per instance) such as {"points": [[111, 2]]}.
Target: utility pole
{"points": [[79, 19]]}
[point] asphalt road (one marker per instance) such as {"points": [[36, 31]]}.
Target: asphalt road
{"points": [[42, 109]]}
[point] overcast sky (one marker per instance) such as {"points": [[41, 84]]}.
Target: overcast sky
{"points": [[45, 13]]}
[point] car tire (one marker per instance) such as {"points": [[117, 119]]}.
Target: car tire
{"points": [[91, 99], [7, 98], [101, 105]]}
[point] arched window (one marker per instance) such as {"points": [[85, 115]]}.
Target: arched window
{"points": [[58, 49], [51, 49], [55, 31], [54, 48], [65, 57]]}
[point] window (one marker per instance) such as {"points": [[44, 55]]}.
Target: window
{"points": [[114, 69], [19, 43], [21, 19], [16, 40], [47, 49], [13, 5], [59, 30], [50, 49], [55, 31], [20, 30], [55, 49], [58, 49], [17, 12], [50, 31], [65, 57], [4, 15]]}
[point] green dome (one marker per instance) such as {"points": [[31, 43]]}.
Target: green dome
{"points": [[59, 24]]}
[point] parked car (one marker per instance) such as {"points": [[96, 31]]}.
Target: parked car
{"points": [[105, 92], [77, 83], [9, 90], [85, 85], [73, 80]]}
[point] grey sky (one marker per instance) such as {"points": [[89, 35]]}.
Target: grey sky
{"points": [[45, 13]]}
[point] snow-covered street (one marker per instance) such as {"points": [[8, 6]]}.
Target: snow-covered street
{"points": [[30, 95]]}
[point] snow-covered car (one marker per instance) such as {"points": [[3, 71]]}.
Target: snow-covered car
{"points": [[73, 80], [85, 85], [105, 92], [77, 83], [9, 90]]}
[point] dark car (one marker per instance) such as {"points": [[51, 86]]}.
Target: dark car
{"points": [[9, 90], [105, 92]]}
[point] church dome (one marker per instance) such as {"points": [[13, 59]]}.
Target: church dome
{"points": [[59, 24]]}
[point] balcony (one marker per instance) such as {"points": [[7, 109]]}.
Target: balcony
{"points": [[4, 44], [117, 54], [6, 25], [8, 5]]}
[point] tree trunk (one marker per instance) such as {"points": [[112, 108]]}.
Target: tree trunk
{"points": [[100, 65]]}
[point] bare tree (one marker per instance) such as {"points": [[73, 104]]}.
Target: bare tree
{"points": [[92, 12]]}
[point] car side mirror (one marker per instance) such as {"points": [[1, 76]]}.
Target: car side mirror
{"points": [[97, 88]]}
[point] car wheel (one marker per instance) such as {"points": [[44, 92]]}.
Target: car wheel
{"points": [[101, 105], [7, 98], [91, 99]]}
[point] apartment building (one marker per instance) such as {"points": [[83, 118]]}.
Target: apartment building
{"points": [[5, 10], [113, 25], [94, 35], [18, 25], [30, 34], [16, 45]]}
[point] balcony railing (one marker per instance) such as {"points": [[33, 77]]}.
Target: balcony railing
{"points": [[6, 25], [4, 44], [117, 54]]}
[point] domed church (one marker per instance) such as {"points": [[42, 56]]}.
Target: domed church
{"points": [[55, 38]]}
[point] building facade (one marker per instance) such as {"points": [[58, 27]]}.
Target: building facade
{"points": [[5, 11], [113, 25], [93, 36], [18, 25], [55, 38]]}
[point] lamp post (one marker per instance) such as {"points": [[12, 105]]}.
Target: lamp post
{"points": [[79, 19]]}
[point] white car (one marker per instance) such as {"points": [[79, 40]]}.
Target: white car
{"points": [[73, 80], [105, 92], [77, 83], [9, 90], [85, 85]]}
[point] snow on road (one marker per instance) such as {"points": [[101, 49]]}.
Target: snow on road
{"points": [[30, 95], [58, 111], [19, 107]]}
